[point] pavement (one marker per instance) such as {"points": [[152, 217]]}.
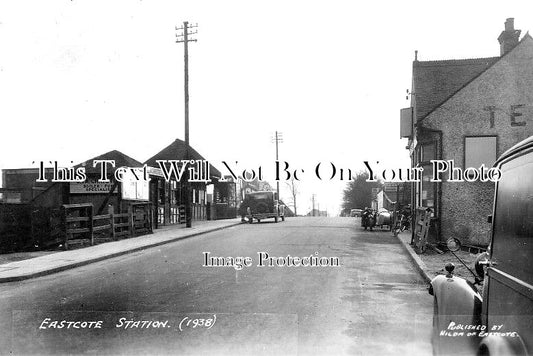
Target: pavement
{"points": [[26, 265], [431, 263]]}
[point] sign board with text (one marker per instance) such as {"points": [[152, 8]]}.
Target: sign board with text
{"points": [[91, 187]]}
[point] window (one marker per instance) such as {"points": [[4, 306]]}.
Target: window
{"points": [[161, 215], [427, 152], [480, 150], [425, 190], [202, 197], [161, 190], [428, 188], [173, 193]]}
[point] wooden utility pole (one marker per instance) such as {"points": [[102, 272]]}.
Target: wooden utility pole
{"points": [[278, 138], [184, 38]]}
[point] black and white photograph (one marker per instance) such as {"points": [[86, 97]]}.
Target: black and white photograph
{"points": [[266, 177]]}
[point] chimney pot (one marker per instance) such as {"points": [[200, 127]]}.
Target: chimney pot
{"points": [[509, 38], [509, 24]]}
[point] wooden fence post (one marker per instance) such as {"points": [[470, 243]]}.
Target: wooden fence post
{"points": [[64, 226], [130, 220], [91, 224], [151, 217], [111, 212]]}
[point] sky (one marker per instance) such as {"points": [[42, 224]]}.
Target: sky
{"points": [[80, 78]]}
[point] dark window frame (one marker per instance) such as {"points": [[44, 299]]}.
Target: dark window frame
{"points": [[427, 163]]}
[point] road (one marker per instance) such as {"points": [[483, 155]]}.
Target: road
{"points": [[163, 300]]}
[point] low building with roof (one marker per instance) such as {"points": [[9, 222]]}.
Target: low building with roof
{"points": [[53, 194], [39, 209], [213, 200]]}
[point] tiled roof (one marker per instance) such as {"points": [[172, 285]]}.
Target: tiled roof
{"points": [[436, 81], [177, 151], [121, 160]]}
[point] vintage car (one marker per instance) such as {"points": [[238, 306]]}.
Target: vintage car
{"points": [[355, 212], [498, 321], [263, 205]]}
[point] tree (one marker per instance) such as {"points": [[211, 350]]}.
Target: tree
{"points": [[293, 188], [358, 192]]}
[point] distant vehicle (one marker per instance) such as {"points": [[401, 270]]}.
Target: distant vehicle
{"points": [[384, 218], [498, 321], [263, 205], [356, 212]]}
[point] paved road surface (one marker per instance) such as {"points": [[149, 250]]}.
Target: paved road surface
{"points": [[374, 303]]}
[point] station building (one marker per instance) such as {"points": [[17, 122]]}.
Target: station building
{"points": [[209, 201], [32, 212]]}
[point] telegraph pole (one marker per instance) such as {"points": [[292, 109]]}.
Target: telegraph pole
{"points": [[183, 37], [278, 138]]}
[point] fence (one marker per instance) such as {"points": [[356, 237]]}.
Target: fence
{"points": [[46, 229], [81, 227], [15, 231]]}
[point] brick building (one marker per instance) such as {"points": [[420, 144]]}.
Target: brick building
{"points": [[469, 111]]}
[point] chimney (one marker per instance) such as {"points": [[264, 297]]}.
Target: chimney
{"points": [[509, 37]]}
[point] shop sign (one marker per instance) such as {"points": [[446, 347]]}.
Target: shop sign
{"points": [[154, 171], [91, 187], [392, 187], [375, 192]]}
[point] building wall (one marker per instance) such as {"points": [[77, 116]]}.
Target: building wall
{"points": [[486, 106], [24, 179], [53, 197]]}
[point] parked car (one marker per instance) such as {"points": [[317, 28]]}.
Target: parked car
{"points": [[497, 319], [356, 212], [262, 205]]}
